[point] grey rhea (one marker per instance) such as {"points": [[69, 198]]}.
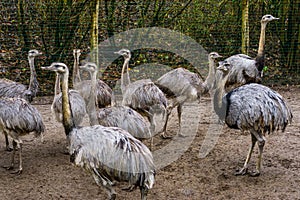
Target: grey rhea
{"points": [[77, 103], [18, 118], [10, 88], [246, 69], [108, 153], [142, 95], [180, 86], [105, 95], [254, 108], [120, 116]]}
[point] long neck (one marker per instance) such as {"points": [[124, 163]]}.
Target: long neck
{"points": [[75, 75], [220, 103], [262, 39], [67, 116], [57, 85], [260, 58], [125, 83], [33, 84], [209, 81], [91, 107]]}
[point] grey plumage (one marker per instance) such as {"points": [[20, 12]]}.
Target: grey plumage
{"points": [[246, 69], [18, 118], [181, 85], [77, 103], [142, 95], [108, 153], [77, 106], [13, 89], [120, 116], [104, 94], [126, 118], [254, 108], [76, 78]]}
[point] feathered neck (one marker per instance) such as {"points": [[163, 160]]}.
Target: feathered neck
{"points": [[220, 102], [91, 106], [76, 76], [260, 58], [57, 84], [66, 108], [210, 79], [33, 84], [125, 83]]}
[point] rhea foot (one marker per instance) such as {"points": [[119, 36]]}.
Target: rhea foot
{"points": [[244, 171], [17, 172], [9, 149], [113, 196], [181, 135], [8, 167], [129, 188], [164, 136], [254, 174], [241, 172]]}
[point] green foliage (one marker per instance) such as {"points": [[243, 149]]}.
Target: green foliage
{"points": [[58, 26]]}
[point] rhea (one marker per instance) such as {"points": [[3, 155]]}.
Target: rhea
{"points": [[104, 93], [254, 108], [10, 88], [77, 103], [246, 69], [180, 86], [19, 118], [119, 116], [108, 153], [142, 95]]}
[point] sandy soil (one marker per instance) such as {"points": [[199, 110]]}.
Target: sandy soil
{"points": [[48, 174]]}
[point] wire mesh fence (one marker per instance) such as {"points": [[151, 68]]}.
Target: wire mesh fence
{"points": [[57, 27]]}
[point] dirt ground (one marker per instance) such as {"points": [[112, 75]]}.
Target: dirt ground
{"points": [[48, 174]]}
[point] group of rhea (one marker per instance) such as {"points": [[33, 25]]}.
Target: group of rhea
{"points": [[110, 151]]}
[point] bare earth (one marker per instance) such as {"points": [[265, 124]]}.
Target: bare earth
{"points": [[48, 174]]}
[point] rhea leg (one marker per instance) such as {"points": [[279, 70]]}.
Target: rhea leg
{"points": [[107, 184], [7, 143], [19, 171], [261, 144], [179, 112], [12, 160], [164, 131], [20, 159], [144, 192], [169, 111], [150, 117], [244, 170]]}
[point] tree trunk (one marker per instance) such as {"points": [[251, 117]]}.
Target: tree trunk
{"points": [[245, 26], [23, 27]]}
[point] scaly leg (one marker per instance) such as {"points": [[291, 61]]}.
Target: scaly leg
{"points": [[150, 117], [12, 160], [169, 111], [179, 112], [107, 184], [7, 143], [164, 131], [244, 170], [144, 192], [19, 171], [261, 144]]}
